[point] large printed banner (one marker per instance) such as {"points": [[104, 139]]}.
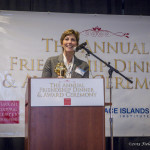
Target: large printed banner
{"points": [[27, 39]]}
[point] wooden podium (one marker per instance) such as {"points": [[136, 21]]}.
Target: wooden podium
{"points": [[63, 127]]}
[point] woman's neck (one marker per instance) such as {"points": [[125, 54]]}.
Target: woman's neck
{"points": [[69, 56]]}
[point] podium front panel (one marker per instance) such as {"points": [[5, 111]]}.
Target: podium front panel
{"points": [[65, 128]]}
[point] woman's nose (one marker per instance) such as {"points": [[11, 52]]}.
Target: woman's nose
{"points": [[70, 41]]}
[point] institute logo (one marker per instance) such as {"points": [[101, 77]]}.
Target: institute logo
{"points": [[125, 112]]}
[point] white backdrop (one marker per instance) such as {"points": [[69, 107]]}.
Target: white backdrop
{"points": [[27, 39]]}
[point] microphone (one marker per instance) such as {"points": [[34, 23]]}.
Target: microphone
{"points": [[79, 47]]}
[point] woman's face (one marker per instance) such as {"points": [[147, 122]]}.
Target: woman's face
{"points": [[69, 43]]}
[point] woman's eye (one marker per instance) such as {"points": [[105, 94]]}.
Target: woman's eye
{"points": [[66, 39], [73, 40]]}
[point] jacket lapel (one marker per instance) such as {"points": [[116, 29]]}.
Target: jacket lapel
{"points": [[75, 65], [60, 58]]}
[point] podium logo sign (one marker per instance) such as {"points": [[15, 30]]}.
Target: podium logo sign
{"points": [[67, 101], [67, 92]]}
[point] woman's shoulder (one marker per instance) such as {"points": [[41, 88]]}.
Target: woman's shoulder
{"points": [[80, 62]]}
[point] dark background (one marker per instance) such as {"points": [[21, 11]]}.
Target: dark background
{"points": [[116, 7]]}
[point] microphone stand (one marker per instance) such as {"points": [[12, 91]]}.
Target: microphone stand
{"points": [[110, 71]]}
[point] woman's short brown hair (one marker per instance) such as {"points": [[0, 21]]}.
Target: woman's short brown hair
{"points": [[69, 32]]}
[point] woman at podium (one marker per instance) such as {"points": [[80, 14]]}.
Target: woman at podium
{"points": [[66, 65]]}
